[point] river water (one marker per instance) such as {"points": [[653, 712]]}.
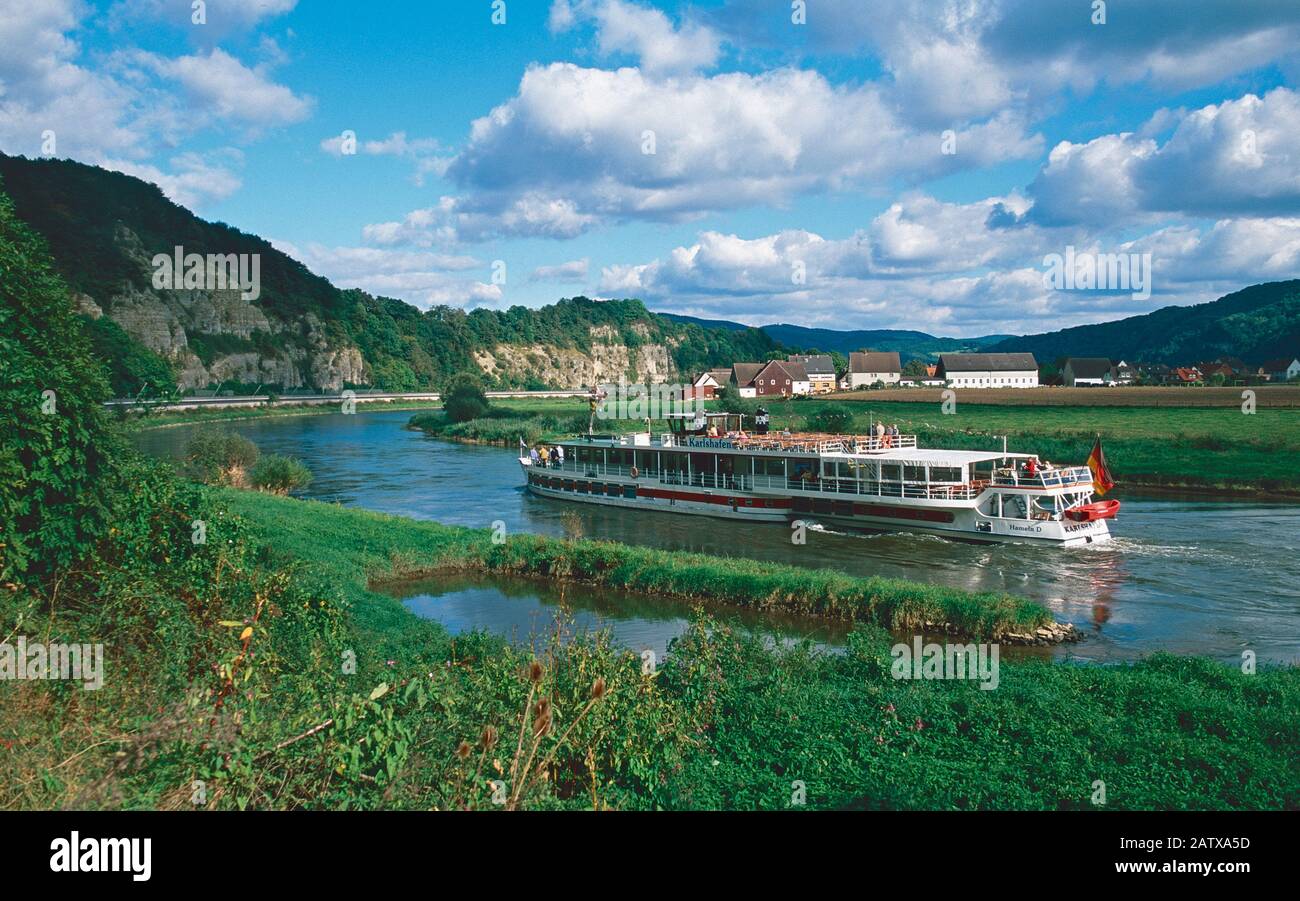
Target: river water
{"points": [[1184, 574]]}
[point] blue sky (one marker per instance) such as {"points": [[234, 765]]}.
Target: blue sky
{"points": [[882, 165]]}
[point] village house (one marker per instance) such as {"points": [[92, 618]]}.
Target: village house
{"points": [[710, 383], [1222, 370], [868, 367], [988, 370], [781, 378], [1082, 372], [820, 369], [742, 378], [1283, 370]]}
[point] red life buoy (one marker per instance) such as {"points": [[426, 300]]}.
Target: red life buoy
{"points": [[634, 472]]}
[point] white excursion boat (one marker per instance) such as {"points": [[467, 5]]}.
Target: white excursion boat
{"points": [[707, 464]]}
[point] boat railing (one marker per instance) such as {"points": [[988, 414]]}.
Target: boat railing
{"points": [[777, 442], [747, 482], [1043, 478]]}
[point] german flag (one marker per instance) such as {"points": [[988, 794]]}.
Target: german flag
{"points": [[1101, 477]]}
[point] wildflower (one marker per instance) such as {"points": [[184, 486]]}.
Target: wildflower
{"points": [[488, 740], [534, 672], [462, 750], [598, 689], [542, 718]]}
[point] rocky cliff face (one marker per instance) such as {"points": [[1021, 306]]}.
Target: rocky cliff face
{"points": [[165, 322], [608, 360]]}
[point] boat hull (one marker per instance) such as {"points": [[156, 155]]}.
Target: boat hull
{"points": [[956, 521]]}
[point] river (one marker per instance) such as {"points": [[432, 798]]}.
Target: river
{"points": [[1184, 574]]}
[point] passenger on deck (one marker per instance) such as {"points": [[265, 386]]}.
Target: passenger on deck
{"points": [[880, 434], [1031, 467], [554, 458], [559, 454], [534, 456]]}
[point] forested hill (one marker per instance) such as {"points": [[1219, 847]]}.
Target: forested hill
{"points": [[1256, 324], [104, 228], [909, 344]]}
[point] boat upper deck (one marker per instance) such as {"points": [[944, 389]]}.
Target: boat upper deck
{"points": [[851, 450], [811, 443]]}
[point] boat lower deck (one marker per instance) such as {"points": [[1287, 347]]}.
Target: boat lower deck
{"points": [[960, 520]]}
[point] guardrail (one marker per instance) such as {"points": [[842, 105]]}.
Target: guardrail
{"points": [[287, 400]]}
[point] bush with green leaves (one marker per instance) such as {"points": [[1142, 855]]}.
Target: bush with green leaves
{"points": [[220, 457], [464, 398], [279, 474], [55, 446]]}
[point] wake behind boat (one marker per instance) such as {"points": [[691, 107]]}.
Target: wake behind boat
{"points": [[707, 464]]}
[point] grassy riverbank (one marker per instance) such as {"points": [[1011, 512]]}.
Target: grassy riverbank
{"points": [[227, 667], [1198, 448], [163, 419], [351, 543]]}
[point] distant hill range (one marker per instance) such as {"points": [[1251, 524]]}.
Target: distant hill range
{"points": [[909, 344], [104, 228], [1255, 324]]}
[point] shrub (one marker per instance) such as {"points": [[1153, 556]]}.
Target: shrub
{"points": [[220, 458], [280, 475], [55, 447], [465, 399]]}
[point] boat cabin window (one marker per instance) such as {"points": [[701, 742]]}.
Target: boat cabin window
{"points": [[673, 462], [772, 466], [913, 473], [891, 472], [945, 474]]}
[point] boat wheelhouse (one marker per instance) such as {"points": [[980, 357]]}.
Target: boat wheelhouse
{"points": [[707, 464]]}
